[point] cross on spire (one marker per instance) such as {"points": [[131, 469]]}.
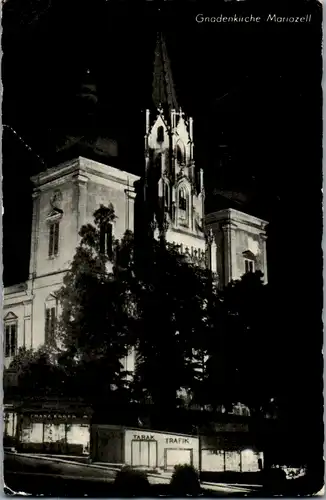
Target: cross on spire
{"points": [[181, 113]]}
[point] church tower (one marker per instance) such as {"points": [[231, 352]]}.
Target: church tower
{"points": [[173, 186]]}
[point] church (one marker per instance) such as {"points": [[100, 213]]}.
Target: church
{"points": [[228, 241]]}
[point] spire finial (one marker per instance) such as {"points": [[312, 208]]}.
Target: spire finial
{"points": [[181, 113]]}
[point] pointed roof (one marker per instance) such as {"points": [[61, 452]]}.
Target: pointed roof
{"points": [[163, 92]]}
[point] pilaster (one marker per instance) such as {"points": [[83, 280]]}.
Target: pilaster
{"points": [[80, 181], [211, 250], [229, 252], [35, 234], [263, 239], [130, 203], [27, 327]]}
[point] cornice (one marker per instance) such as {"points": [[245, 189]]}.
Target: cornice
{"points": [[79, 169], [235, 216]]}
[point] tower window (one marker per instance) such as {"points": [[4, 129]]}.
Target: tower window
{"points": [[160, 134], [158, 165], [180, 154], [10, 339], [53, 239], [249, 266], [50, 323], [182, 200], [106, 240]]}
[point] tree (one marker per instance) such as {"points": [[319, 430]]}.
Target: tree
{"points": [[95, 330], [113, 302], [243, 363], [36, 373], [171, 312]]}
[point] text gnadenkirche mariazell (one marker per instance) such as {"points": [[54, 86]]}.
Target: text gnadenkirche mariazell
{"points": [[235, 19]]}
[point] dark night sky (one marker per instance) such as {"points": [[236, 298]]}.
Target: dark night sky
{"points": [[271, 118]]}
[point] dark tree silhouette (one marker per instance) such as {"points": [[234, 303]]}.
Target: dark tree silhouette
{"points": [[95, 330]]}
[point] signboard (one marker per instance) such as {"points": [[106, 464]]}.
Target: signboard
{"points": [[177, 440], [144, 437], [162, 449], [171, 440], [55, 417]]}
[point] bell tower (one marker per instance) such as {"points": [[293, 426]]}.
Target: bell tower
{"points": [[173, 186]]}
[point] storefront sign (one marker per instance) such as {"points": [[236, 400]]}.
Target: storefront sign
{"points": [[172, 440], [55, 416], [144, 437]]}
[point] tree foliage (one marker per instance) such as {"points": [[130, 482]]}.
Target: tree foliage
{"points": [[171, 305], [37, 373], [195, 344], [95, 331], [242, 364]]}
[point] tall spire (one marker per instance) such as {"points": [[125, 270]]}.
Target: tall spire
{"points": [[163, 89]]}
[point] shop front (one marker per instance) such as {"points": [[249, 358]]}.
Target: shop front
{"points": [[53, 433], [231, 452], [144, 448]]}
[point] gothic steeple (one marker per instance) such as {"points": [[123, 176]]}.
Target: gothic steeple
{"points": [[173, 189], [163, 91]]}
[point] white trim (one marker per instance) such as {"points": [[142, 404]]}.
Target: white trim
{"points": [[81, 166], [233, 215], [253, 265], [10, 316]]}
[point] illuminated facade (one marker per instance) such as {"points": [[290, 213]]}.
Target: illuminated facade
{"points": [[65, 197]]}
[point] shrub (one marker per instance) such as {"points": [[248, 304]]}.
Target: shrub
{"points": [[131, 482], [185, 480]]}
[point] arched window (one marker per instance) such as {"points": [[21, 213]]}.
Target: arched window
{"points": [[53, 221], [183, 206], [182, 200], [180, 154], [160, 134]]}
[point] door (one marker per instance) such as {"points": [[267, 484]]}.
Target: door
{"points": [[144, 454], [103, 449]]}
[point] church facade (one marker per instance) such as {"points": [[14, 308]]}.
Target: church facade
{"points": [[65, 197]]}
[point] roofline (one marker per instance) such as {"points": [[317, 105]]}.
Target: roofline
{"points": [[231, 214], [84, 166]]}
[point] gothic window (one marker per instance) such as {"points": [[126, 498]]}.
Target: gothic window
{"points": [[183, 206], [50, 320], [160, 134], [180, 154], [53, 239], [10, 340], [249, 266], [106, 240], [182, 200]]}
